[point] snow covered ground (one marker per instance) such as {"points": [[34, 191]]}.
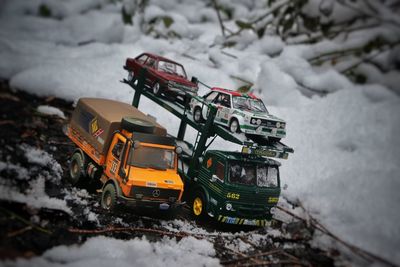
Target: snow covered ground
{"points": [[345, 169]]}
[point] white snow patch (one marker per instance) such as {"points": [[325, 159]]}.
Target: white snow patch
{"points": [[104, 251], [49, 110]]}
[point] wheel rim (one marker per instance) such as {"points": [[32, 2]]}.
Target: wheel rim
{"points": [[197, 206], [107, 200], [74, 168], [234, 126], [197, 115], [156, 88]]}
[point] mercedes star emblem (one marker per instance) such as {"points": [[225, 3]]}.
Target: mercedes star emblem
{"points": [[156, 193]]}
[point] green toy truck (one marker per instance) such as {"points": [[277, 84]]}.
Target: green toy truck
{"points": [[231, 187]]}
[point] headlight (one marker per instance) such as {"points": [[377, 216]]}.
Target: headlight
{"points": [[278, 124], [253, 121], [258, 122], [228, 206], [283, 125]]}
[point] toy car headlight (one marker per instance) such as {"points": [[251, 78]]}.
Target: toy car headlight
{"points": [[258, 122], [253, 121], [228, 206], [278, 124], [283, 125]]}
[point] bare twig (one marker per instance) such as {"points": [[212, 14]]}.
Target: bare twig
{"points": [[221, 24], [16, 216], [359, 251], [133, 229], [20, 231], [243, 256]]}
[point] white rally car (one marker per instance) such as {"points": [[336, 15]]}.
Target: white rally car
{"points": [[239, 112]]}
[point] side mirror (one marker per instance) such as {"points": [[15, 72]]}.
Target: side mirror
{"points": [[214, 178], [136, 144], [195, 80], [178, 150], [122, 173]]}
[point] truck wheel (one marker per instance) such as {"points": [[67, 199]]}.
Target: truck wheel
{"points": [[109, 197], [234, 126], [199, 205], [76, 168], [197, 116], [157, 89], [137, 125]]}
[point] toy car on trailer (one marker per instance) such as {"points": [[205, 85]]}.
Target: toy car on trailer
{"points": [[164, 75], [232, 187], [239, 112], [127, 151]]}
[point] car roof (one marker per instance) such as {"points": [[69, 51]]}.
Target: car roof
{"points": [[234, 93], [160, 58]]}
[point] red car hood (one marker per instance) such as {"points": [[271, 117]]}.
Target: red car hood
{"points": [[175, 78]]}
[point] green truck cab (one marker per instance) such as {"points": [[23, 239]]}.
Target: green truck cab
{"points": [[235, 188]]}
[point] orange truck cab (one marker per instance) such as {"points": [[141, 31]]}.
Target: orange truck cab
{"points": [[128, 151]]}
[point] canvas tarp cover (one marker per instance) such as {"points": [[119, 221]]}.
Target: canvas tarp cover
{"points": [[97, 119]]}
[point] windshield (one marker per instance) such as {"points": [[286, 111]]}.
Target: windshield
{"points": [[246, 103], [171, 68], [152, 157], [251, 174]]}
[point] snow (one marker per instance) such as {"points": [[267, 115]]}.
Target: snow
{"points": [[44, 159], [34, 196], [346, 162], [104, 251], [49, 110]]}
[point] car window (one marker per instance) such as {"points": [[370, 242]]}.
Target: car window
{"points": [[220, 171], [210, 96], [151, 62], [116, 151], [142, 59], [223, 100], [171, 68]]}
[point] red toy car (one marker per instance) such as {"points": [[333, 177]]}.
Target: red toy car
{"points": [[164, 76]]}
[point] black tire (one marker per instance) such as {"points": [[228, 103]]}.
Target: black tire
{"points": [[231, 125], [76, 168], [156, 89], [137, 125], [109, 197], [199, 214], [197, 115]]}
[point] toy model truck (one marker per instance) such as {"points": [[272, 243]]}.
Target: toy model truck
{"points": [[128, 151]]}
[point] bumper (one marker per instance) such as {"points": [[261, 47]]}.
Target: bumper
{"points": [[151, 204], [243, 221], [262, 130]]}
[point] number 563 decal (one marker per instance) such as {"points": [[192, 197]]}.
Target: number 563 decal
{"points": [[233, 195]]}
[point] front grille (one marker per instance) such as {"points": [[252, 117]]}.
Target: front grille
{"points": [[266, 123], [154, 193]]}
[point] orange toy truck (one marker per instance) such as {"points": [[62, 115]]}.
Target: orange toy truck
{"points": [[128, 151]]}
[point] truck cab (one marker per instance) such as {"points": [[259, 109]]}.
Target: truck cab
{"points": [[144, 167], [236, 188]]}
